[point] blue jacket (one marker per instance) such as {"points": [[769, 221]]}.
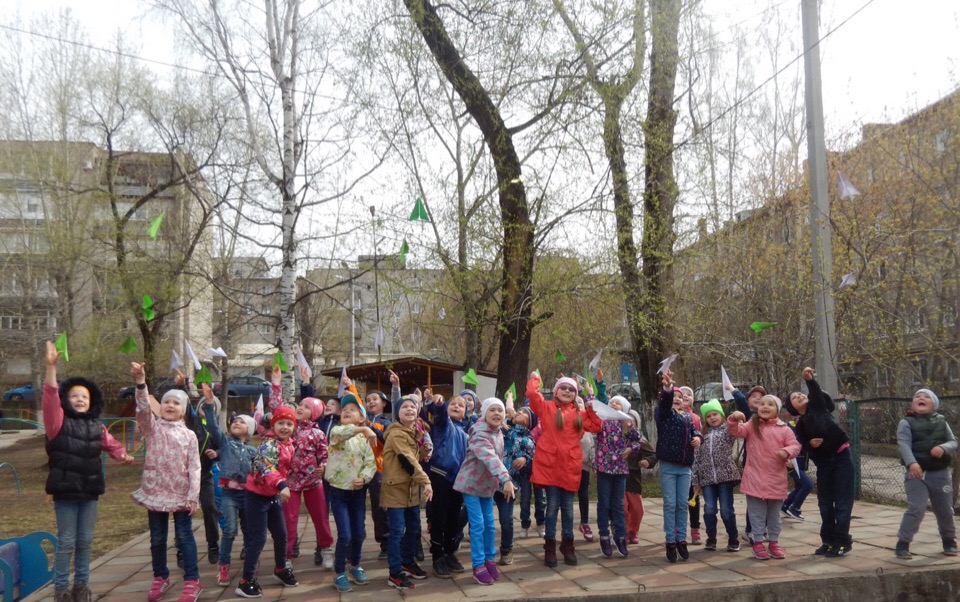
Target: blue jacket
{"points": [[675, 431], [517, 443], [449, 442], [236, 457]]}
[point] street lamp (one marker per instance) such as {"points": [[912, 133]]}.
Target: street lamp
{"points": [[353, 315]]}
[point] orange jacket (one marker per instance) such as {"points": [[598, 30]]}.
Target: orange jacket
{"points": [[558, 459]]}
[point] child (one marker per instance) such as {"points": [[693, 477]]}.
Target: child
{"points": [[693, 498], [402, 479], [559, 459], [473, 406], [588, 445], [715, 474], [747, 404], [482, 474], [75, 440], [170, 483], [927, 445], [236, 457], [518, 453], [771, 444], [375, 405], [677, 442], [616, 440], [265, 490], [450, 448], [829, 448], [633, 495], [306, 475], [802, 485], [350, 468]]}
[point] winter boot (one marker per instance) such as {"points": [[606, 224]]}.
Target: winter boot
{"points": [[569, 551], [550, 552]]}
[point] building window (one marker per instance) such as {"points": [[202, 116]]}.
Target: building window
{"points": [[948, 316], [265, 329], [953, 371], [918, 372], [11, 323], [940, 141]]}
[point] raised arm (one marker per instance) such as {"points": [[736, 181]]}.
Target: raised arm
{"points": [[52, 410]]}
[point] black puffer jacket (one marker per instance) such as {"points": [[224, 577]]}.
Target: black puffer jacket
{"points": [[76, 468], [818, 423]]}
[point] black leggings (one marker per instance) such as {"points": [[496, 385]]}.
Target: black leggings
{"points": [[583, 497]]}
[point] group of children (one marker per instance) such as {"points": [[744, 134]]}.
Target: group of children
{"points": [[461, 458]]}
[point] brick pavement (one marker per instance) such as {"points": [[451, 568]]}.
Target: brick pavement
{"points": [[125, 573]]}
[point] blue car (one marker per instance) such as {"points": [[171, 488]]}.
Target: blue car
{"points": [[245, 386], [23, 393]]}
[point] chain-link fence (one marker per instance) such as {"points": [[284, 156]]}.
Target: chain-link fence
{"points": [[871, 425]]}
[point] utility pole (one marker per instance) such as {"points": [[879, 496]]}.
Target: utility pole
{"points": [[353, 314], [821, 245]]}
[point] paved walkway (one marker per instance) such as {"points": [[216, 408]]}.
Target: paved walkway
{"points": [[125, 573]]}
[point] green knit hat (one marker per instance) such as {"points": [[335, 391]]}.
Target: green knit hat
{"points": [[712, 406]]}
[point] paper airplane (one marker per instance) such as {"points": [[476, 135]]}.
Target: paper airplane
{"points": [[665, 364]]}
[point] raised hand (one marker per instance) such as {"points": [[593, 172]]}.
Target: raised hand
{"points": [[138, 373]]}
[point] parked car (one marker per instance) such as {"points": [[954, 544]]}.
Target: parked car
{"points": [[244, 386], [21, 393], [160, 386], [629, 391], [708, 391]]}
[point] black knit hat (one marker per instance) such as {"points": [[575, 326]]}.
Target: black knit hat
{"points": [[788, 405], [96, 397]]}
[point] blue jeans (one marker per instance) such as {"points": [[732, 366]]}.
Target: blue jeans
{"points": [[528, 491], [75, 524], [505, 512], [802, 486], [722, 493], [263, 513], [675, 484], [610, 490], [402, 541], [231, 515], [559, 500], [349, 507], [483, 531], [835, 498], [183, 532]]}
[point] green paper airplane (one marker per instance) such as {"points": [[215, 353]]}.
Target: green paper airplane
{"points": [[560, 358], [513, 390], [404, 249], [470, 377], [278, 361], [419, 212], [154, 229], [203, 376], [759, 327], [128, 346], [147, 308], [61, 345]]}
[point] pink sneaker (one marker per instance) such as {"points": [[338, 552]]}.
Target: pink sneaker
{"points": [[695, 537], [191, 591], [223, 576], [633, 538], [482, 576], [776, 550], [760, 552], [491, 566], [157, 589], [587, 532]]}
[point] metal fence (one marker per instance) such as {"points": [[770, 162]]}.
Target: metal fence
{"points": [[871, 425]]}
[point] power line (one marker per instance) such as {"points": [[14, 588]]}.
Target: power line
{"points": [[757, 88], [106, 50]]}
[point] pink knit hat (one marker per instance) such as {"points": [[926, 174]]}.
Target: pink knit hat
{"points": [[565, 380], [316, 407]]}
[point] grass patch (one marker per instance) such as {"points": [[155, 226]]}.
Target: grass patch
{"points": [[119, 519]]}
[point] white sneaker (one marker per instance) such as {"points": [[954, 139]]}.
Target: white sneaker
{"points": [[327, 555], [524, 533], [542, 531]]}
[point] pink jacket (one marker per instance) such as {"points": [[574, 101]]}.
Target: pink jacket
{"points": [[765, 473], [171, 470]]}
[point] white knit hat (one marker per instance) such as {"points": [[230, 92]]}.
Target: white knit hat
{"points": [[251, 424], [624, 404], [489, 403]]}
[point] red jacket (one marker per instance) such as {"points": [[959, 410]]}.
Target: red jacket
{"points": [[558, 459]]}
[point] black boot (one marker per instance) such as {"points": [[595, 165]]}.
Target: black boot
{"points": [[569, 551], [671, 552], [550, 552]]}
